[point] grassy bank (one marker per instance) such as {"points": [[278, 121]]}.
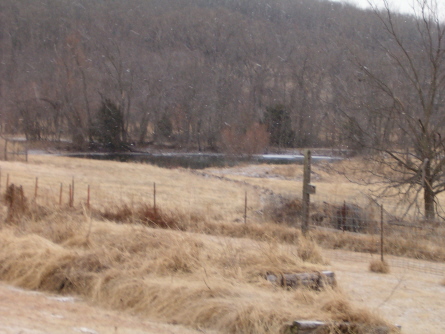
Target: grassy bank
{"points": [[202, 267]]}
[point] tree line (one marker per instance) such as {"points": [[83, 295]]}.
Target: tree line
{"points": [[190, 73]]}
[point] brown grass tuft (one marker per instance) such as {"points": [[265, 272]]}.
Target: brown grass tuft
{"points": [[309, 251], [144, 215], [379, 266], [164, 274], [361, 320]]}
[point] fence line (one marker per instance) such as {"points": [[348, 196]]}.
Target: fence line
{"points": [[13, 149], [350, 214], [334, 216], [427, 267]]}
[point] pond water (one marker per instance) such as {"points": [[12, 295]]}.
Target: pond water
{"points": [[200, 160]]}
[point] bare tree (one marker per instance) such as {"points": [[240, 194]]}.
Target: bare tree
{"points": [[403, 119]]}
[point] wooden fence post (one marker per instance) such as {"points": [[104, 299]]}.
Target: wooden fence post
{"points": [[72, 193], [36, 189], [154, 197], [70, 196], [308, 189], [88, 197], [245, 208], [60, 195], [381, 232]]}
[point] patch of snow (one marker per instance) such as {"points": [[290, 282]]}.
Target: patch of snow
{"points": [[85, 330], [282, 156], [64, 299]]}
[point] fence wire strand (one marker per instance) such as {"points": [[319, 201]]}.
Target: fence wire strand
{"points": [[353, 216]]}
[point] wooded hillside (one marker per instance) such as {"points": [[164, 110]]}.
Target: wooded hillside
{"points": [[231, 75]]}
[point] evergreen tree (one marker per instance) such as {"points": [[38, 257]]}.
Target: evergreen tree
{"points": [[109, 125], [279, 126]]}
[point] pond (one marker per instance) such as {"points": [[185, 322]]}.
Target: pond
{"points": [[200, 160]]}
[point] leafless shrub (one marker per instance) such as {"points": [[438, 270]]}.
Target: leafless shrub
{"points": [[253, 140], [351, 319]]}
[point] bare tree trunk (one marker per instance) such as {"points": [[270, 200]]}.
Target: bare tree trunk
{"points": [[428, 193], [429, 199]]}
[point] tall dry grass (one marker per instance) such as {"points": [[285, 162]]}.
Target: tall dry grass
{"points": [[111, 183], [407, 244], [193, 272], [166, 275], [333, 189], [203, 269], [210, 202]]}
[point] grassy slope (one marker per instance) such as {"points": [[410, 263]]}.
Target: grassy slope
{"points": [[333, 188], [203, 278]]}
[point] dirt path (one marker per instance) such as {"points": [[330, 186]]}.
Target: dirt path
{"points": [[414, 300], [28, 312]]}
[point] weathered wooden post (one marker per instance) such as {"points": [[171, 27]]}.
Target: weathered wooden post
{"points": [[6, 150], [154, 197], [36, 188], [381, 233], [308, 189], [72, 193], [88, 197], [245, 207], [60, 195]]}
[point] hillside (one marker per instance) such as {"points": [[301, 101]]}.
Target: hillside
{"points": [[184, 264], [201, 74]]}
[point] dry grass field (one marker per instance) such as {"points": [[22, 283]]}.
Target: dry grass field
{"points": [[334, 189], [414, 300], [191, 261]]}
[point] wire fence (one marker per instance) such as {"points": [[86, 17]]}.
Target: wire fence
{"points": [[13, 150], [358, 224], [57, 187], [427, 267], [378, 231]]}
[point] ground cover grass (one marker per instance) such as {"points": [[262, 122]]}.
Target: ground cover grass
{"points": [[200, 267], [418, 239]]}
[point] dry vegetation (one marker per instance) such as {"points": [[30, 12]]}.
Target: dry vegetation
{"points": [[199, 268], [378, 266], [411, 238]]}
